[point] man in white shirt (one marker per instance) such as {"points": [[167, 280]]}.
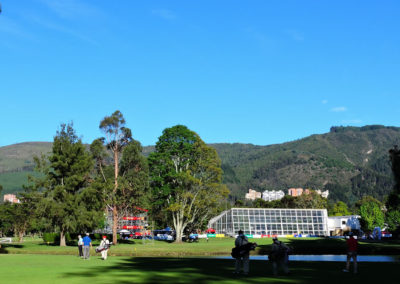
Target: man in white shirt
{"points": [[105, 245]]}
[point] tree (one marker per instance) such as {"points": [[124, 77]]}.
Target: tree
{"points": [[370, 210], [117, 138], [134, 180], [65, 185], [5, 219], [186, 179], [393, 202], [310, 201], [19, 216], [339, 209], [393, 221]]}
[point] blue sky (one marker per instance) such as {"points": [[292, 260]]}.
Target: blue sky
{"points": [[260, 72]]}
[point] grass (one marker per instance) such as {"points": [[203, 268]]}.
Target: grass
{"points": [[161, 262], [217, 246], [45, 269]]}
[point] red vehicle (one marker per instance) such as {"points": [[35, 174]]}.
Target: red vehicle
{"points": [[210, 231]]}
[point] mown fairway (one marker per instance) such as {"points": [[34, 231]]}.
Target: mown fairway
{"points": [[70, 269], [217, 246], [161, 262]]}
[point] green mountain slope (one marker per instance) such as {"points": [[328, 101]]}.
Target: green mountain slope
{"points": [[349, 161], [16, 162]]}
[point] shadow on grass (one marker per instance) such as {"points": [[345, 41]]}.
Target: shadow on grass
{"points": [[203, 270], [3, 248], [335, 246], [309, 246]]}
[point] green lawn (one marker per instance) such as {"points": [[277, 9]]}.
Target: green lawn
{"points": [[159, 262], [217, 246], [71, 269]]}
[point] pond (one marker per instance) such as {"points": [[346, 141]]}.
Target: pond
{"points": [[329, 257]]}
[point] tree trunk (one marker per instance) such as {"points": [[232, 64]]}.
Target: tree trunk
{"points": [[62, 239], [115, 225], [115, 211], [179, 227], [21, 236]]}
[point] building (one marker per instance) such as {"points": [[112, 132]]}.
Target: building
{"points": [[324, 194], [272, 195], [135, 223], [300, 191], [338, 225], [297, 191], [253, 195], [11, 198], [268, 221]]}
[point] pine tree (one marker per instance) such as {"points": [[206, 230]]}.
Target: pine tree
{"points": [[68, 202]]}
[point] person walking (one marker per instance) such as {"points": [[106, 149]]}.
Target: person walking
{"points": [[352, 245], [87, 244], [80, 245], [279, 256], [104, 245], [243, 260]]}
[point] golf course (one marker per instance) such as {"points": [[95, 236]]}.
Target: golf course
{"points": [[34, 261]]}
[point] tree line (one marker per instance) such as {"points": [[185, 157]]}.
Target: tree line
{"points": [[180, 183]]}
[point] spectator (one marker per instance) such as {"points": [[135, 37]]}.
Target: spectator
{"points": [[352, 245], [87, 244], [104, 245], [244, 259], [279, 256], [80, 245]]}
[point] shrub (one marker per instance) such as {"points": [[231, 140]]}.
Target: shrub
{"points": [[55, 237]]}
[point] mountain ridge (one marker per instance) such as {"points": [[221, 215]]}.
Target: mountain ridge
{"points": [[348, 161]]}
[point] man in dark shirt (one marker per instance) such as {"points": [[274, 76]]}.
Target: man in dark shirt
{"points": [[241, 240], [352, 245]]}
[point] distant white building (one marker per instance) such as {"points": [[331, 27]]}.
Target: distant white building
{"points": [[12, 198], [253, 195], [272, 195], [337, 225], [324, 194]]}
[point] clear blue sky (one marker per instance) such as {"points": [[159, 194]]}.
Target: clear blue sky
{"points": [[260, 72]]}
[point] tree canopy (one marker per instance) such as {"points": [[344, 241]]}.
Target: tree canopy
{"points": [[186, 179], [68, 202], [128, 185]]}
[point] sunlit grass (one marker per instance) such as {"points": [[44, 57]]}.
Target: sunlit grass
{"points": [[215, 246], [45, 269]]}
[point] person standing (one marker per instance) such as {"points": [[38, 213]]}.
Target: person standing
{"points": [[80, 245], [105, 245], [244, 259], [352, 245], [279, 256], [87, 244]]}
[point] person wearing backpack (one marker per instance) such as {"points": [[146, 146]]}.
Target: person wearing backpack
{"points": [[279, 256], [243, 259], [104, 245]]}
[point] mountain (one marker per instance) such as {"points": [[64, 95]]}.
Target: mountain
{"points": [[349, 161]]}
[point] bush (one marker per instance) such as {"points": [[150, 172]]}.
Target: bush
{"points": [[50, 237], [55, 237]]}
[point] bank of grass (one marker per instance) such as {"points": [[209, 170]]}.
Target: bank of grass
{"points": [[61, 269], [215, 246]]}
